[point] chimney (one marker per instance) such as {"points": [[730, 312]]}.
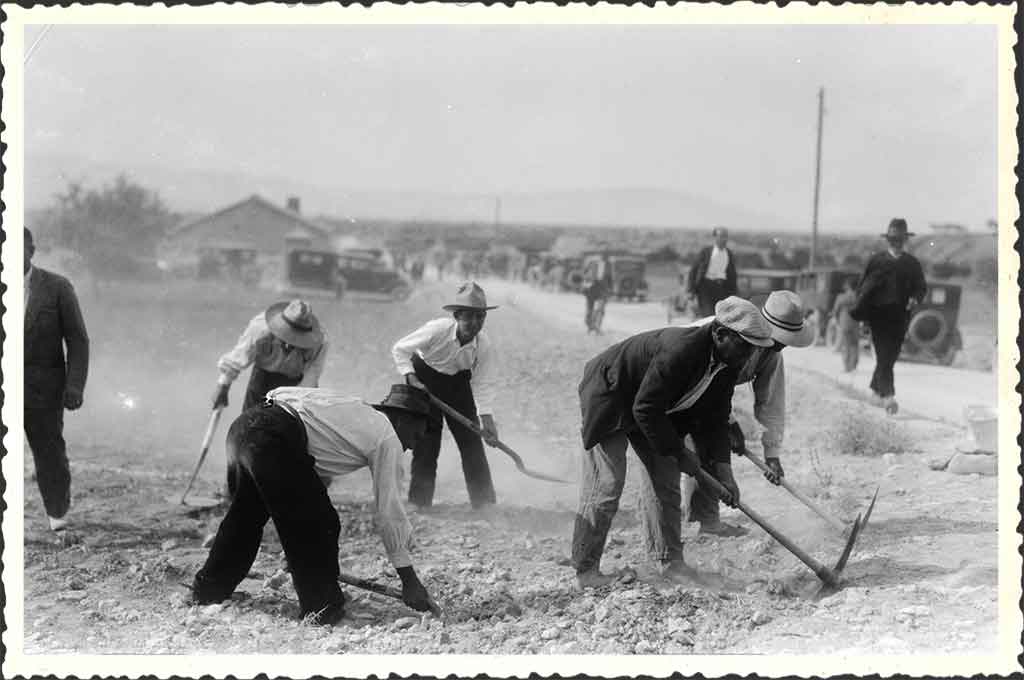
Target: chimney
{"points": [[293, 204]]}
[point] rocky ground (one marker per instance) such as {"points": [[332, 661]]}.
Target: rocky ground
{"points": [[923, 577]]}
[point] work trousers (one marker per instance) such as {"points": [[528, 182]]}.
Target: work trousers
{"points": [[260, 382], [594, 311], [888, 328], [601, 482], [454, 390], [709, 292], [44, 430], [702, 503], [849, 347], [276, 480]]}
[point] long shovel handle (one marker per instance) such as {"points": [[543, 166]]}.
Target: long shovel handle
{"points": [[381, 589], [836, 524], [211, 427], [466, 422], [821, 571]]}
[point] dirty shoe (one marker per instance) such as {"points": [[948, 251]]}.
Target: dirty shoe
{"points": [[593, 578], [679, 572], [58, 523], [891, 405]]}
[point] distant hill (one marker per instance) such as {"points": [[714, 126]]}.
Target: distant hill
{"points": [[205, 191]]}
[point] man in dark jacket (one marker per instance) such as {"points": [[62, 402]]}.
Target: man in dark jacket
{"points": [[52, 320], [892, 284], [713, 275], [645, 391]]}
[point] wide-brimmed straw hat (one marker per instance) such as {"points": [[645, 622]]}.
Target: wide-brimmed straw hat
{"points": [[742, 316], [784, 312], [295, 323], [408, 398], [469, 295], [897, 229]]}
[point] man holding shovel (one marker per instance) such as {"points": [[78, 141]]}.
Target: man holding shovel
{"points": [[280, 452], [285, 346], [764, 370], [454, 359], [625, 396]]}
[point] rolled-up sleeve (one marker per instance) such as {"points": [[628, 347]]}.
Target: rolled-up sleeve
{"points": [[485, 375], [243, 353], [770, 403], [390, 518], [420, 339]]}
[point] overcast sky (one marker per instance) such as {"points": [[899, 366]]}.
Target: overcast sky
{"points": [[726, 112]]}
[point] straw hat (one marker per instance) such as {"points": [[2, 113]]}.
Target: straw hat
{"points": [[784, 312], [468, 296], [742, 316], [294, 323]]}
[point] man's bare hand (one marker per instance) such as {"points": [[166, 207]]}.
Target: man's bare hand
{"points": [[413, 381], [72, 399], [490, 429]]}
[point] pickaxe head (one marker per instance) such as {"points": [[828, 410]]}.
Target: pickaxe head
{"points": [[858, 526]]}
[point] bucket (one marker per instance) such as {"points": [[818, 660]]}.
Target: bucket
{"points": [[983, 422]]}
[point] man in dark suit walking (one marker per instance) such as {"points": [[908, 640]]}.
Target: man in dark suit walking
{"points": [[52, 320], [713, 275], [647, 392]]}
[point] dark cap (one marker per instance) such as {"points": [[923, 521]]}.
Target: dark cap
{"points": [[408, 398]]}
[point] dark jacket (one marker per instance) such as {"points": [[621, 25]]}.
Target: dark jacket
{"points": [[633, 384], [700, 268], [888, 283], [52, 320]]}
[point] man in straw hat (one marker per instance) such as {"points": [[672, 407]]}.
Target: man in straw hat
{"points": [[285, 346], [282, 450], [764, 370], [892, 284], [644, 392], [454, 359]]}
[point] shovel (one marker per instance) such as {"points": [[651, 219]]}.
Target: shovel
{"points": [[466, 422], [381, 589], [835, 523], [211, 427], [830, 577]]}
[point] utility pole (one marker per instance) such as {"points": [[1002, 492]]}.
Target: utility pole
{"points": [[817, 180]]}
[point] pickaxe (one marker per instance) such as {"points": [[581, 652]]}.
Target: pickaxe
{"points": [[835, 523], [830, 577], [211, 427], [466, 422], [389, 591]]}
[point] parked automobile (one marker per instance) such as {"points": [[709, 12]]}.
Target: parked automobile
{"points": [[627, 271], [756, 284], [933, 335], [818, 290], [365, 272], [311, 273]]}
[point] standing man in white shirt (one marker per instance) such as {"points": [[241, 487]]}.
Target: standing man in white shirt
{"points": [[713, 275], [281, 451], [454, 360], [285, 346]]}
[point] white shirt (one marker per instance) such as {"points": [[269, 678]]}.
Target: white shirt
{"points": [[717, 263], [436, 343], [347, 434], [257, 345]]}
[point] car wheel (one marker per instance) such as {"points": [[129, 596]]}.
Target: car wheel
{"points": [[928, 329]]}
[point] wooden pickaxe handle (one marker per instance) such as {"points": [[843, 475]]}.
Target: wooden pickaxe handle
{"points": [[836, 524], [381, 589], [821, 571], [466, 422]]}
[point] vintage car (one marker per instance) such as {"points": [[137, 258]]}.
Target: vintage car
{"points": [[311, 273], [626, 271], [756, 284], [365, 272], [933, 335], [818, 290]]}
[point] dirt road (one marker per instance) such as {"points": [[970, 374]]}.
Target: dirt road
{"points": [[923, 578]]}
